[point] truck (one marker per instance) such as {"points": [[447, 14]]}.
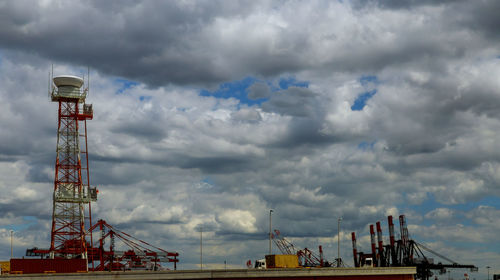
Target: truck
{"points": [[260, 264], [368, 263], [277, 261]]}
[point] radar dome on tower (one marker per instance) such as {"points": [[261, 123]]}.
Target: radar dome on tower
{"points": [[68, 80], [68, 86]]}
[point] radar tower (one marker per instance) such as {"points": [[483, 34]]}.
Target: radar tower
{"points": [[71, 191]]}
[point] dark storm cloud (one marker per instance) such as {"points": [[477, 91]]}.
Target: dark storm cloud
{"points": [[259, 90], [159, 43], [305, 132], [308, 111], [18, 207], [128, 39], [439, 107], [295, 101], [402, 4], [103, 173], [145, 130], [217, 164], [38, 167], [479, 16]]}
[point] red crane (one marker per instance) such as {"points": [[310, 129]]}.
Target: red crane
{"points": [[403, 252], [138, 255], [372, 239], [285, 246], [354, 249], [307, 258], [392, 241], [360, 258], [380, 255]]}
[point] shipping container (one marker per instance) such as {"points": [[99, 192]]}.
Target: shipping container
{"points": [[282, 261], [27, 266]]}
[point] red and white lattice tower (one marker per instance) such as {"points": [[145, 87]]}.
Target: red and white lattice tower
{"points": [[72, 191]]}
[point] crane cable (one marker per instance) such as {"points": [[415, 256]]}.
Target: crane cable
{"points": [[435, 253]]}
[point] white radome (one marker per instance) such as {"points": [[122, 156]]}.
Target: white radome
{"points": [[68, 80]]}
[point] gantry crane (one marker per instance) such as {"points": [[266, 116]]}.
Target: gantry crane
{"points": [[403, 252]]}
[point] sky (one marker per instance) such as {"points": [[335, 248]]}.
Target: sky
{"points": [[211, 113]]}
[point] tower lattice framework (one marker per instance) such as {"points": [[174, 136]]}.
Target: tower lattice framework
{"points": [[72, 193]]}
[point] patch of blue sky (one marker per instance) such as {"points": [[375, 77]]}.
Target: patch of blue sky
{"points": [[430, 204], [144, 98], [285, 83], [492, 201], [124, 85], [235, 89], [369, 83], [360, 101], [367, 80], [207, 184], [208, 180], [239, 89], [366, 146], [24, 224]]}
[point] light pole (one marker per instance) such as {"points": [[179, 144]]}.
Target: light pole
{"points": [[338, 241], [11, 247], [201, 247], [270, 233], [488, 272]]}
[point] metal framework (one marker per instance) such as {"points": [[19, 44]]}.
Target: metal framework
{"points": [[285, 246], [139, 256], [307, 258], [72, 228], [71, 192], [403, 252]]}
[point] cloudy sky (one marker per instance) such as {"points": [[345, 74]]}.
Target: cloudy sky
{"points": [[213, 112]]}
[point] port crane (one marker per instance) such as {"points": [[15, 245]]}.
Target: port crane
{"points": [[403, 252], [106, 255], [140, 254], [307, 257]]}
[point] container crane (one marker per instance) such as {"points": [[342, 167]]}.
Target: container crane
{"points": [[403, 252]]}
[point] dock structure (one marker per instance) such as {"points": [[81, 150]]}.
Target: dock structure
{"points": [[377, 273]]}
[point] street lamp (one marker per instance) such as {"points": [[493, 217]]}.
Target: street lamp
{"points": [[270, 233], [338, 241], [488, 272], [201, 247], [11, 247]]}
